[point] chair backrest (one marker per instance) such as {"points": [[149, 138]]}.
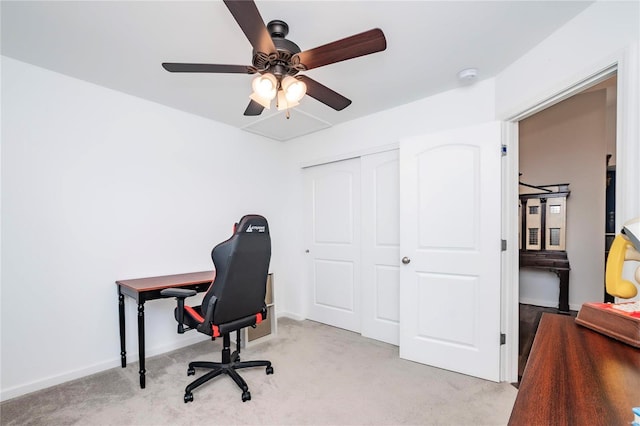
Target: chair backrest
{"points": [[242, 265]]}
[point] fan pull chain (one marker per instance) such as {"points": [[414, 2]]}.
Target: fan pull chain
{"points": [[287, 114]]}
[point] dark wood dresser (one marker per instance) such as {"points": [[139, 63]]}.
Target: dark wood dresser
{"points": [[553, 261], [575, 376]]}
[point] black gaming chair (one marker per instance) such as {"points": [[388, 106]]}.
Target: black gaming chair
{"points": [[234, 300]]}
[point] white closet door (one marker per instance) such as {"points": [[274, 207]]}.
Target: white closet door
{"points": [[381, 246], [332, 212], [450, 191]]}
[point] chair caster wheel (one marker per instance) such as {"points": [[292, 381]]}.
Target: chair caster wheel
{"points": [[269, 370], [188, 397], [246, 396], [190, 372]]}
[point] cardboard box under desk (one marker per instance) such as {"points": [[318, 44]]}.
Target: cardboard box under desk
{"points": [[268, 298], [262, 329]]}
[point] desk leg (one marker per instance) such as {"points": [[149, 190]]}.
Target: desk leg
{"points": [[123, 344], [141, 343], [563, 299]]}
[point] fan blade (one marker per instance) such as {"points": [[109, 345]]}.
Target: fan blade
{"points": [[215, 68], [365, 43], [324, 94], [253, 108], [248, 17]]}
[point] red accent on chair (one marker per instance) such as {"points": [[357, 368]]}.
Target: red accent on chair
{"points": [[258, 318], [195, 315], [215, 330]]}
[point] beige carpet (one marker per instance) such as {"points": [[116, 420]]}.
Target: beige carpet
{"points": [[323, 375]]}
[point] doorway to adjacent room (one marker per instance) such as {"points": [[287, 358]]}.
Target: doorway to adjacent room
{"points": [[574, 142]]}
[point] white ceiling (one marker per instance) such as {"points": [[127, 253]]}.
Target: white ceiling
{"points": [[120, 45]]}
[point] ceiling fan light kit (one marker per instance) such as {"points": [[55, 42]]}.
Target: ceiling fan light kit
{"points": [[263, 102], [265, 85], [293, 89], [282, 104], [288, 89], [278, 61], [264, 89]]}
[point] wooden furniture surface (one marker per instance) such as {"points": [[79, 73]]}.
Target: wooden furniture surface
{"points": [[143, 289], [146, 285], [617, 324], [575, 376], [553, 261]]}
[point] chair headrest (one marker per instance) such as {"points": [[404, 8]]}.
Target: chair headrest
{"points": [[252, 224]]}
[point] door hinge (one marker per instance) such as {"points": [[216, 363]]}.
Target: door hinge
{"points": [[504, 245], [503, 150], [503, 338]]}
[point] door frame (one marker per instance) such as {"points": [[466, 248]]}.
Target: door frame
{"points": [[627, 66]]}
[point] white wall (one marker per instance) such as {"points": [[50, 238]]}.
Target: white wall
{"points": [[99, 186], [455, 108], [591, 41], [606, 34]]}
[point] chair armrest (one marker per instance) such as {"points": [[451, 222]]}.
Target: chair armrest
{"points": [[178, 292]]}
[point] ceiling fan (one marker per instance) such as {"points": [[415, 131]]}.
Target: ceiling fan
{"points": [[278, 61]]}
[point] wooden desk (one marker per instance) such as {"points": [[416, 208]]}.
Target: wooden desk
{"points": [[143, 289], [575, 376]]}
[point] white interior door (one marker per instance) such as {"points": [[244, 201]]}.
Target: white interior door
{"points": [[332, 213], [381, 246], [450, 233]]}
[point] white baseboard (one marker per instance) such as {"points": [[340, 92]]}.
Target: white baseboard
{"points": [[36, 385], [25, 388], [132, 356], [547, 303], [539, 302], [291, 315], [162, 349]]}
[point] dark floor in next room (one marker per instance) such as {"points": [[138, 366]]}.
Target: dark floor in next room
{"points": [[529, 318]]}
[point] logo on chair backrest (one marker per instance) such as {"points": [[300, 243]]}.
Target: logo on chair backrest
{"points": [[256, 228]]}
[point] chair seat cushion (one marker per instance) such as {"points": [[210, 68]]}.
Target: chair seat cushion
{"points": [[230, 326], [193, 319]]}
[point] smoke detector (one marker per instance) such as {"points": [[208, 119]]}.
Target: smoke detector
{"points": [[468, 75]]}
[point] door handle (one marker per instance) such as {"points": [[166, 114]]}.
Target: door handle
{"points": [[406, 260]]}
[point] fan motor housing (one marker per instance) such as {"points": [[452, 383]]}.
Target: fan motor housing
{"points": [[281, 62]]}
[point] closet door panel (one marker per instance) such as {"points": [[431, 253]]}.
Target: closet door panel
{"points": [[380, 246], [332, 214]]}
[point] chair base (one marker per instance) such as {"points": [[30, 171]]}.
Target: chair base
{"points": [[230, 363]]}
